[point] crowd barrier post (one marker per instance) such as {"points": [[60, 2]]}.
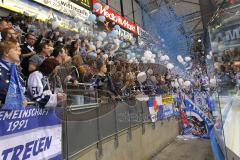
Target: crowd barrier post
{"points": [[116, 141], [65, 127], [99, 152], [129, 131], [142, 119], [153, 125]]}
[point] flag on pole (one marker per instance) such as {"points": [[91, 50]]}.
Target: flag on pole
{"points": [[15, 95], [154, 107]]}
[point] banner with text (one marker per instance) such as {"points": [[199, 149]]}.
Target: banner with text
{"points": [[105, 11], [36, 10], [195, 121], [158, 110], [31, 133], [66, 7], [84, 3]]}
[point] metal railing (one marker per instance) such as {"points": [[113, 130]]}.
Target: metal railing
{"points": [[89, 124]]}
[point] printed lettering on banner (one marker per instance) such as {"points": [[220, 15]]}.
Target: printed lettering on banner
{"points": [[167, 99], [31, 133], [66, 7]]}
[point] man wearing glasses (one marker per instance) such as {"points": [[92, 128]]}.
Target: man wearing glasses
{"points": [[27, 51]]}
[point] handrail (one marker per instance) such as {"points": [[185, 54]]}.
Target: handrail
{"points": [[82, 106], [81, 84]]}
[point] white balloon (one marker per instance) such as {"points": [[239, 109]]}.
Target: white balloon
{"points": [[162, 58], [128, 51], [100, 38], [141, 77], [142, 97], [209, 57], [92, 47], [152, 60], [99, 44], [180, 81], [172, 84], [103, 34], [176, 84], [150, 71], [187, 59], [187, 83], [170, 66], [167, 58], [130, 61], [148, 55], [105, 56], [136, 61], [133, 54], [114, 33], [93, 54], [117, 41], [117, 27], [92, 17], [180, 59], [145, 61], [101, 18], [210, 53], [147, 52], [97, 6], [133, 40], [153, 78], [213, 82]]}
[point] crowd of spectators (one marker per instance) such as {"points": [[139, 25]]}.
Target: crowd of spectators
{"points": [[47, 60]]}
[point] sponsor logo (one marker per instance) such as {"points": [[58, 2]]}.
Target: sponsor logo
{"points": [[115, 17]]}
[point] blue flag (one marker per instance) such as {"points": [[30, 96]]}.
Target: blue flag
{"points": [[210, 103], [15, 95]]}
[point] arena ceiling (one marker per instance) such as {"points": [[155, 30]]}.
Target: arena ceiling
{"points": [[187, 11], [181, 18]]}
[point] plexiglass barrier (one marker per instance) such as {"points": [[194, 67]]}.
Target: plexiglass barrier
{"points": [[90, 118], [225, 55]]}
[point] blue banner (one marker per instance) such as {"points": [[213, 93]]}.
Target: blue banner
{"points": [[197, 121], [32, 133]]}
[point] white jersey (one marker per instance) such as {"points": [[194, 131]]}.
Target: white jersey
{"points": [[38, 87]]}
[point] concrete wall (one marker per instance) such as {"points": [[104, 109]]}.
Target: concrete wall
{"points": [[140, 147]]}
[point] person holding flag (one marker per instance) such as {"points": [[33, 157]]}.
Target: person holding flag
{"points": [[12, 86]]}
